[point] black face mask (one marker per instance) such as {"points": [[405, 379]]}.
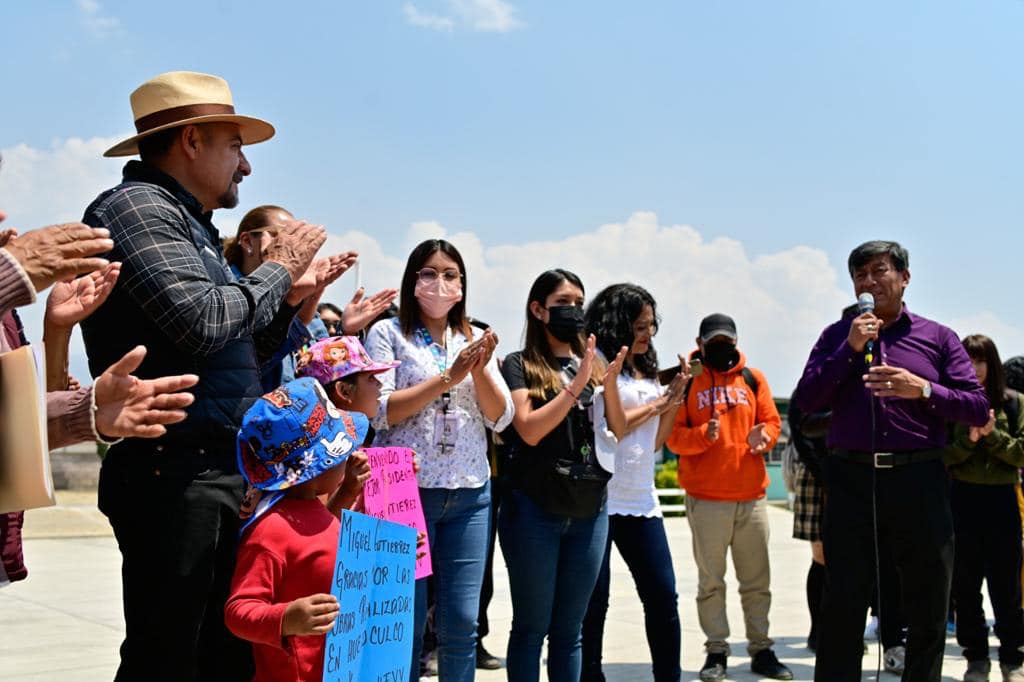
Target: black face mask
{"points": [[565, 322], [721, 356]]}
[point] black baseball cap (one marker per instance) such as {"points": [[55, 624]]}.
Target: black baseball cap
{"points": [[717, 325]]}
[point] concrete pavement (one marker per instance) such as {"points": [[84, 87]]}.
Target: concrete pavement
{"points": [[64, 622]]}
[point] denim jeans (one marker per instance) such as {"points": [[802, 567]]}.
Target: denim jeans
{"points": [[553, 563], [644, 547], [458, 523]]}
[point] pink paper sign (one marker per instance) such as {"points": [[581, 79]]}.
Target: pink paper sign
{"points": [[391, 493]]}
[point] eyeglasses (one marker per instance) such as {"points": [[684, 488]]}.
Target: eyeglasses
{"points": [[640, 329], [332, 325], [271, 230], [430, 275]]}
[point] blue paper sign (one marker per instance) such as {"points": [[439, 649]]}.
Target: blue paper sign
{"points": [[374, 581]]}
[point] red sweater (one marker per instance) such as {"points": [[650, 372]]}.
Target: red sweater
{"points": [[287, 554]]}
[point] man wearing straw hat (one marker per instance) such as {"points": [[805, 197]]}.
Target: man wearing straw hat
{"points": [[173, 502]]}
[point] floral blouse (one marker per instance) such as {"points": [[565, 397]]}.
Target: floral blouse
{"points": [[463, 463]]}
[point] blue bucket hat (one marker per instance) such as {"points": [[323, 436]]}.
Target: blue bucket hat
{"points": [[292, 435]]}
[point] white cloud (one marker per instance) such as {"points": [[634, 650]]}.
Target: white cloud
{"points": [[485, 16], [45, 186], [94, 21], [426, 20], [780, 300], [1009, 339]]}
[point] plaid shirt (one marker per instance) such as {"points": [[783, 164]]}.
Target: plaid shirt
{"points": [[163, 268]]}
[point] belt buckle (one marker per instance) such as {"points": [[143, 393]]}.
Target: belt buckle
{"points": [[879, 464]]}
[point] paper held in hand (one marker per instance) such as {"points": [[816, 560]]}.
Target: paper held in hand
{"points": [[25, 478]]}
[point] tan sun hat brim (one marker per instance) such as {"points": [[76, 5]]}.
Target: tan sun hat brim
{"points": [[253, 130]]}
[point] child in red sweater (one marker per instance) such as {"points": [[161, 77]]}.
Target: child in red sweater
{"points": [[291, 446]]}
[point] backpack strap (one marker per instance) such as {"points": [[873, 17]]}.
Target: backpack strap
{"points": [[748, 377], [751, 380]]}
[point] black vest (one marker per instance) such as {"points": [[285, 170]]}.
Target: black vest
{"points": [[229, 380]]}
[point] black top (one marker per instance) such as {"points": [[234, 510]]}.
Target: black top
{"points": [[808, 431], [559, 473]]}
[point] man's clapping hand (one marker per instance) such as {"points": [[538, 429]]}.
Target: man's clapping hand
{"points": [[59, 252]]}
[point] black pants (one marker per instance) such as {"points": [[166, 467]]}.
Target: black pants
{"points": [[915, 520], [988, 536], [887, 602], [498, 488], [175, 517], [644, 547]]}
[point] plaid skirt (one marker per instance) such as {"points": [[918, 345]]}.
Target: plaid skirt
{"points": [[808, 506]]}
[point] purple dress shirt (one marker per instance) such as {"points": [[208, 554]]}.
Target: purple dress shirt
{"points": [[833, 380]]}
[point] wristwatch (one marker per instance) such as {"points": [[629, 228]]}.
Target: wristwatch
{"points": [[926, 390]]}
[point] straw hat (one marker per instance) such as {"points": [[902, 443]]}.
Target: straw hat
{"points": [[178, 98]]}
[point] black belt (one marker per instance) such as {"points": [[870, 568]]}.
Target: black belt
{"points": [[888, 460], [196, 453]]}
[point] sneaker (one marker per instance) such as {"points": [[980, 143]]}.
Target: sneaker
{"points": [[485, 660], [1012, 673], [894, 659], [714, 668], [871, 631], [429, 668], [765, 663], [977, 671]]}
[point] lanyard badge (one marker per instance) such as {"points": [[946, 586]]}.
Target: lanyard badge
{"points": [[446, 422]]}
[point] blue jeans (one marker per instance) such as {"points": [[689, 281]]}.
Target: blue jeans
{"points": [[644, 547], [458, 522], [553, 563]]}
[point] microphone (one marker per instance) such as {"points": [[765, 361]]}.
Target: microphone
{"points": [[866, 304]]}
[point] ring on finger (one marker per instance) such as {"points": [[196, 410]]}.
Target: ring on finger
{"points": [[888, 384]]}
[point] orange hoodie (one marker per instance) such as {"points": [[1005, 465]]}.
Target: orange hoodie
{"points": [[725, 469]]}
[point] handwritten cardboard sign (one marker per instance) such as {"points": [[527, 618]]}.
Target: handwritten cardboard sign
{"points": [[376, 589], [392, 493]]}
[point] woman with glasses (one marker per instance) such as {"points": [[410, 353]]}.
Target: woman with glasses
{"points": [[553, 523], [244, 253], [626, 315], [439, 401]]}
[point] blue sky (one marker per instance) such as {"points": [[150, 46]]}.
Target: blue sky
{"points": [[781, 134]]}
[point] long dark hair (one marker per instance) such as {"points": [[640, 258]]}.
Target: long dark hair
{"points": [[540, 366], [610, 318], [981, 348], [409, 307]]}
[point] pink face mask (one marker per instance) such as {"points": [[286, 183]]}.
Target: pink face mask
{"points": [[438, 297]]}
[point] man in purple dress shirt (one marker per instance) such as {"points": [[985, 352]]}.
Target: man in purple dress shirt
{"points": [[888, 429]]}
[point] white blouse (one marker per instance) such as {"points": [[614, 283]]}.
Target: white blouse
{"points": [[464, 464], [631, 490]]}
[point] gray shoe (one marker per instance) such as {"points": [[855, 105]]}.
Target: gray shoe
{"points": [[977, 671], [1013, 673], [894, 659]]}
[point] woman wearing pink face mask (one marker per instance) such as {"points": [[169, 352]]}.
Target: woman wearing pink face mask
{"points": [[439, 402]]}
